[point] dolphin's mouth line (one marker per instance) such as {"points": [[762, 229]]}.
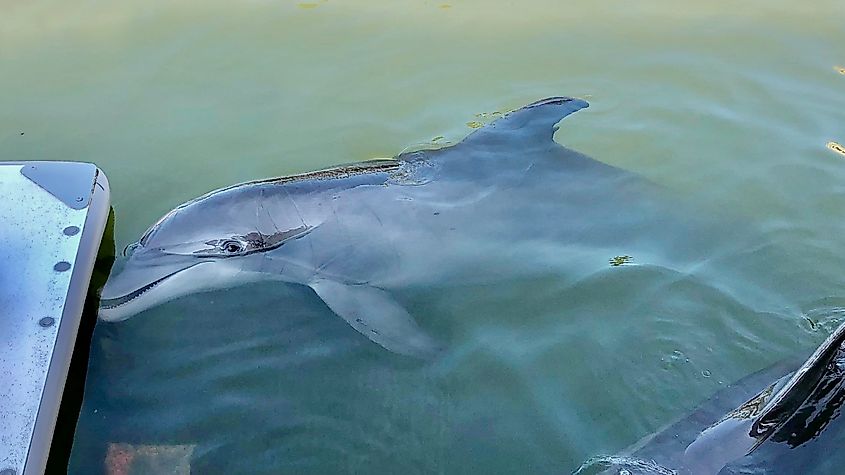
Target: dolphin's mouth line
{"points": [[107, 304]]}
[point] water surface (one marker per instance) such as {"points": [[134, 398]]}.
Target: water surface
{"points": [[728, 104]]}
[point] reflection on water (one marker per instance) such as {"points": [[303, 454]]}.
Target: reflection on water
{"points": [[728, 104]]}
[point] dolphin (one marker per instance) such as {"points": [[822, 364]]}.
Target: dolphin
{"points": [[507, 200], [773, 421]]}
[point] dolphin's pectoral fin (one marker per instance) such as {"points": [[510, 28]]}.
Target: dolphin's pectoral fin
{"points": [[536, 121], [376, 315]]}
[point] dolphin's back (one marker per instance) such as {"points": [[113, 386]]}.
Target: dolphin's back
{"points": [[494, 204]]}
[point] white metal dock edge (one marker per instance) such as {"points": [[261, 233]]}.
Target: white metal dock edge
{"points": [[52, 218]]}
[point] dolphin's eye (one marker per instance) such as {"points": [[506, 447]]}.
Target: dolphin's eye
{"points": [[232, 247]]}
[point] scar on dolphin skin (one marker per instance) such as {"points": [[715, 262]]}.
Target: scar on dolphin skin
{"points": [[836, 148]]}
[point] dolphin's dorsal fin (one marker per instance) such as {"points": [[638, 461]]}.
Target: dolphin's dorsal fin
{"points": [[745, 428], [536, 121]]}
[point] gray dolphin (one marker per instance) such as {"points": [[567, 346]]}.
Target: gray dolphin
{"points": [[505, 201], [774, 421]]}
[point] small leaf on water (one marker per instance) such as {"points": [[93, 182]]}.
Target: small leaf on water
{"points": [[620, 260], [836, 148]]}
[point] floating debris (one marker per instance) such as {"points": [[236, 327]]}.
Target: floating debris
{"points": [[620, 260], [839, 69], [438, 138], [484, 118], [307, 5], [445, 6], [836, 148], [489, 115]]}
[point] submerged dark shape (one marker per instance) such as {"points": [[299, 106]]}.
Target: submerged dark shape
{"points": [[773, 422], [506, 201]]}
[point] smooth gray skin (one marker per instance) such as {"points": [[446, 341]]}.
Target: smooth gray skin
{"points": [[774, 421], [504, 202]]}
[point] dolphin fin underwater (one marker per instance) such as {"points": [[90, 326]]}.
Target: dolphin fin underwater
{"points": [[375, 314], [783, 427]]}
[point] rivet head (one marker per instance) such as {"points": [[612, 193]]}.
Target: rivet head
{"points": [[44, 322], [59, 267], [71, 230]]}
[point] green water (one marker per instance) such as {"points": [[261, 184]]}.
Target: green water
{"points": [[731, 104]]}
